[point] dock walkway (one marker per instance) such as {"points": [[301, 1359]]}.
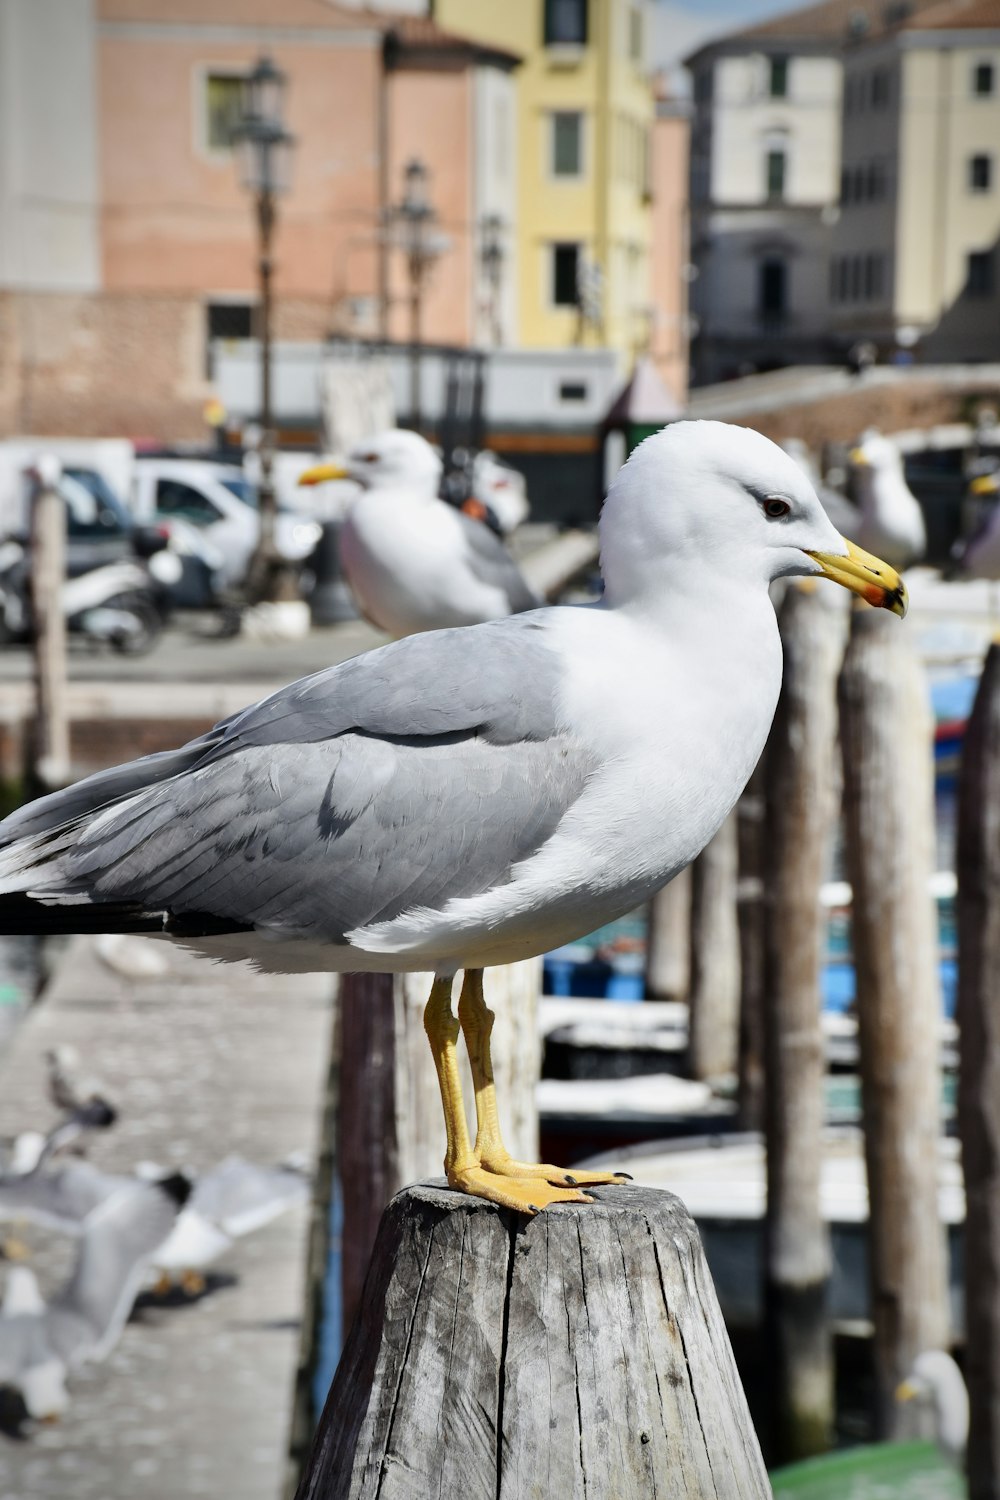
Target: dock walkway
{"points": [[203, 1060]]}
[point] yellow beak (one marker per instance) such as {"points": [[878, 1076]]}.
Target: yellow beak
{"points": [[868, 576], [857, 457], [985, 484], [320, 473], [906, 1391]]}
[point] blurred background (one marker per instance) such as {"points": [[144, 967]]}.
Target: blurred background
{"points": [[243, 238]]}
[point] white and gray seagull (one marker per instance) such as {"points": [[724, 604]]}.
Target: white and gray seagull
{"points": [[472, 796], [413, 561]]}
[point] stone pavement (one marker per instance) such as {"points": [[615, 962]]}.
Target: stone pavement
{"points": [[197, 1397]]}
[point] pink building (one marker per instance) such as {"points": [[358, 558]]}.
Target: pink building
{"points": [[109, 296]]}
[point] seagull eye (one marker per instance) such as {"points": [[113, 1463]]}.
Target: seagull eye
{"points": [[774, 507]]}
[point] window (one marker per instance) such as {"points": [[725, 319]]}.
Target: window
{"points": [[778, 80], [226, 320], [776, 174], [982, 80], [176, 499], [572, 390], [772, 287], [223, 109], [979, 278], [565, 266], [880, 88], [567, 143], [565, 23], [703, 86], [635, 34], [845, 185], [980, 173], [855, 292]]}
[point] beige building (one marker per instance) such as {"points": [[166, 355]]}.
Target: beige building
{"points": [[670, 269], [127, 242], [915, 258]]}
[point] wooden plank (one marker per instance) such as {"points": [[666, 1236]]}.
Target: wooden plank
{"points": [[577, 1354], [800, 807], [979, 1071], [886, 738]]}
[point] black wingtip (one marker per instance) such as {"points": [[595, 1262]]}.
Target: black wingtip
{"points": [[177, 1186]]}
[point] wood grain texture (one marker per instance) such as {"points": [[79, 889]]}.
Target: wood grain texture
{"points": [[886, 738], [578, 1354], [800, 787], [713, 1035], [979, 1073]]}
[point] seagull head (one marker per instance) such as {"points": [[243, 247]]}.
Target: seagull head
{"points": [[394, 459], [936, 1380], [707, 505]]}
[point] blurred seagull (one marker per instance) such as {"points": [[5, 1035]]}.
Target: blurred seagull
{"points": [[413, 561], [39, 1343], [936, 1379], [499, 494], [979, 557], [471, 797], [891, 519]]}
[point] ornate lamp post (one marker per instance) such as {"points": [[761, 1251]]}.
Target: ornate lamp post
{"points": [[415, 220], [264, 149]]}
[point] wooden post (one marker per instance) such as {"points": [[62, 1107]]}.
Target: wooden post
{"points": [[668, 945], [750, 918], [889, 833], [713, 1032], [50, 740], [390, 1129], [979, 1074], [799, 819], [573, 1354]]}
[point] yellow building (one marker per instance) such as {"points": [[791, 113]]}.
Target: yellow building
{"points": [[580, 257]]}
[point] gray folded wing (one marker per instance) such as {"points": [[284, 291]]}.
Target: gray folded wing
{"points": [[492, 563], [60, 1199], [416, 773], [240, 1196]]}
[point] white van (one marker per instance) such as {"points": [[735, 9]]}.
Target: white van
{"points": [[221, 503]]}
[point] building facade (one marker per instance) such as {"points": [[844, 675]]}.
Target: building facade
{"points": [[127, 244], [915, 255]]}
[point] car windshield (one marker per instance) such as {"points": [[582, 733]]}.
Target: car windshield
{"points": [[242, 489], [93, 506]]}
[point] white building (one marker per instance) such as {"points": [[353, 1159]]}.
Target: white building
{"points": [[915, 256]]}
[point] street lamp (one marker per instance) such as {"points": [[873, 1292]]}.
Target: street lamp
{"points": [[491, 255], [422, 244], [264, 149]]}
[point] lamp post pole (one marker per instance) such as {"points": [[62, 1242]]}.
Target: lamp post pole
{"points": [[492, 257], [264, 149], [416, 220]]}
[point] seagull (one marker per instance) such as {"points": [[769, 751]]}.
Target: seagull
{"points": [[40, 1343], [936, 1379], [471, 796], [891, 518], [414, 562], [979, 557], [499, 494]]}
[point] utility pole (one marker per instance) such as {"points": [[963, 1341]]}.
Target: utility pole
{"points": [[50, 749]]}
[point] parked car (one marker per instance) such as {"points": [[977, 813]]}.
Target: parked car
{"points": [[221, 503]]}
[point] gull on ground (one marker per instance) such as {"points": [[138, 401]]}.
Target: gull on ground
{"points": [[413, 561], [936, 1380], [472, 796], [499, 494], [40, 1343], [892, 523]]}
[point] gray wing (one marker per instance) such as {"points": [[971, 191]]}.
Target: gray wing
{"points": [[239, 1195], [492, 563], [62, 1199], [85, 1319], [418, 772]]}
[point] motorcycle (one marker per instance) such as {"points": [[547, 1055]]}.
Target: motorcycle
{"points": [[120, 604]]}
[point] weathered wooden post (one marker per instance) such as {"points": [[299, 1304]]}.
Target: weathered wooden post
{"points": [[713, 1030], [800, 810], [668, 945], [390, 1130], [979, 1074], [498, 1358], [750, 918], [889, 833], [50, 738]]}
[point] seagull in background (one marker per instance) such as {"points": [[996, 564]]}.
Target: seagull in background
{"points": [[499, 494], [41, 1343], [892, 522], [936, 1380], [979, 557], [413, 561]]}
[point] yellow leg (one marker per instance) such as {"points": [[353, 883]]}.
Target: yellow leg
{"points": [[461, 1164], [477, 1020]]}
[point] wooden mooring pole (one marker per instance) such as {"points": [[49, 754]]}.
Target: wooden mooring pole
{"points": [[798, 830], [668, 946], [579, 1353], [750, 919], [713, 1028], [390, 1129], [889, 832], [979, 1073], [49, 767]]}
